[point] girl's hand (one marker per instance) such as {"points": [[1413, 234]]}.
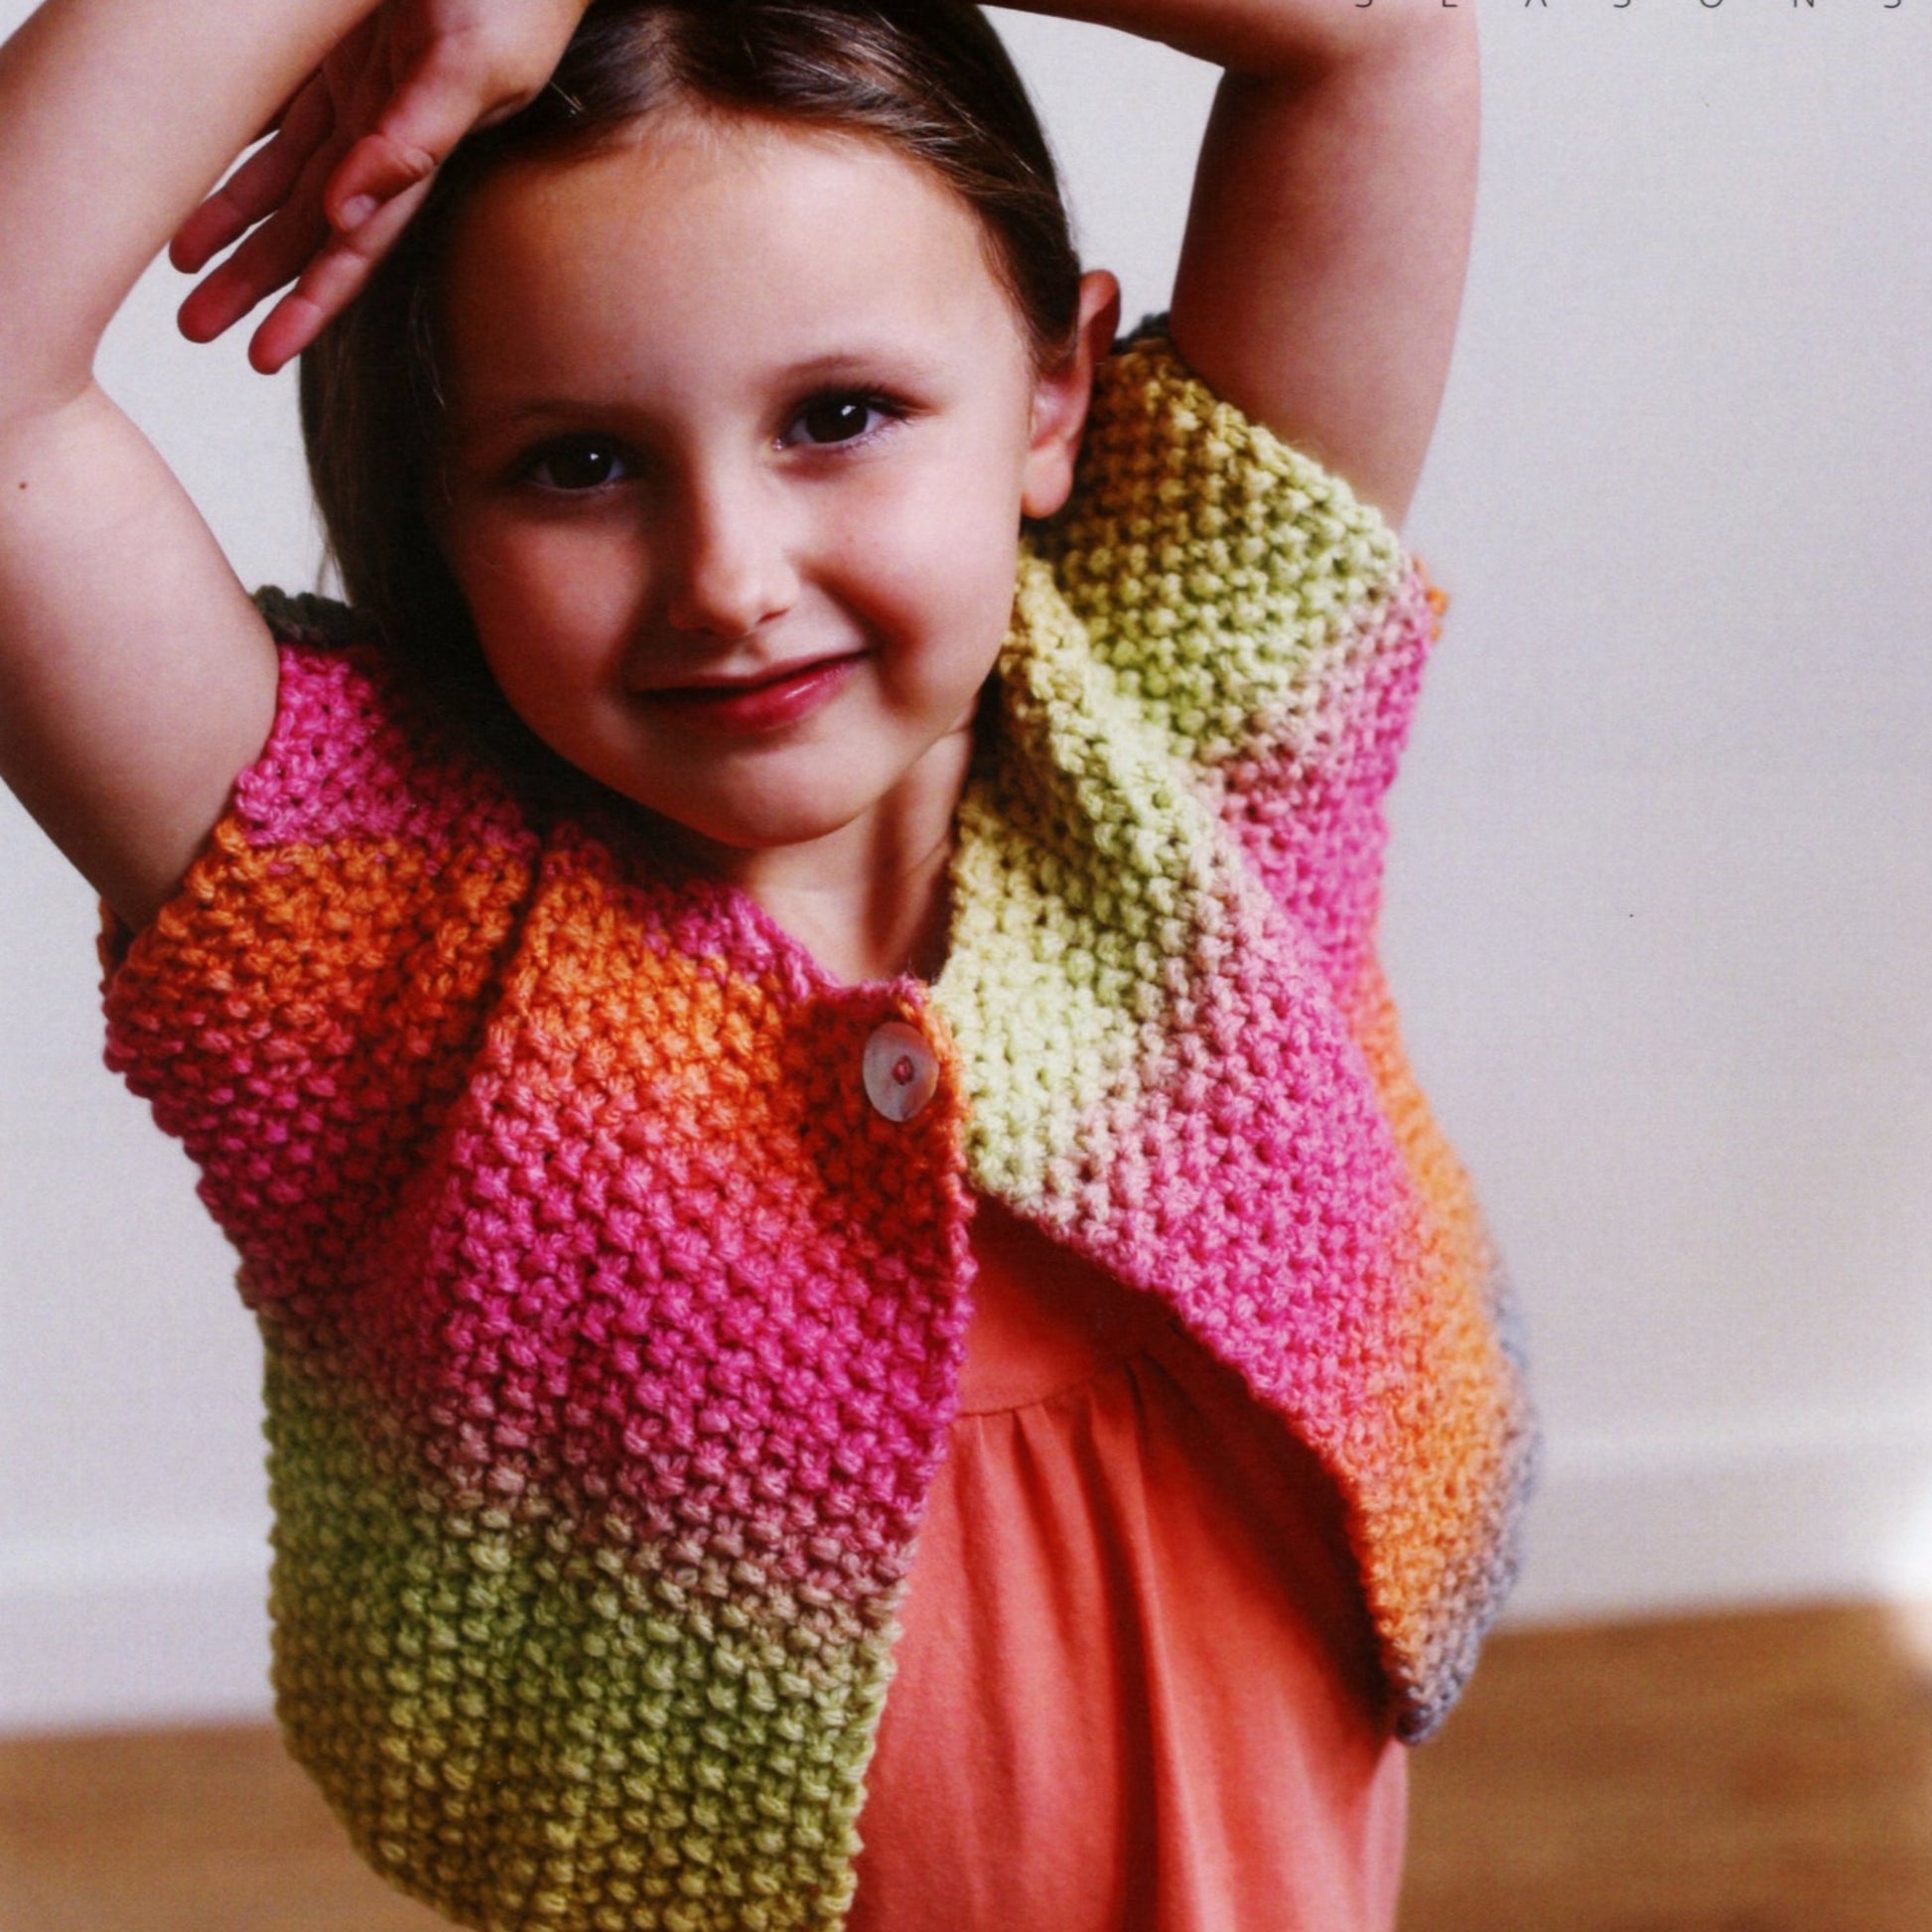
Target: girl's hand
{"points": [[350, 157]]}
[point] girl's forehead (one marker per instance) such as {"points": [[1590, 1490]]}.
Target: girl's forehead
{"points": [[687, 163], [699, 228]]}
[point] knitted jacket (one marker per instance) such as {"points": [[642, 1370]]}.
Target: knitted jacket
{"points": [[613, 1327]]}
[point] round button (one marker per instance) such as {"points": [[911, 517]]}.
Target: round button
{"points": [[900, 1071]]}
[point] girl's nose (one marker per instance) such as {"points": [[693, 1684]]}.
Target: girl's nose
{"points": [[734, 569]]}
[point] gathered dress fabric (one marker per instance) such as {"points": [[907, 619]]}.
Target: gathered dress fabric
{"points": [[1136, 1686]]}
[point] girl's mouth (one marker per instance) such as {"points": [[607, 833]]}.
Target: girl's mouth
{"points": [[744, 707]]}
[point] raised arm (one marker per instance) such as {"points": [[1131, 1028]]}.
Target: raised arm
{"points": [[1323, 260], [135, 676]]}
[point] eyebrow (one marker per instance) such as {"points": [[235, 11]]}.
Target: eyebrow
{"points": [[866, 364]]}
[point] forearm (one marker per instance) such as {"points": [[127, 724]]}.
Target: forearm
{"points": [[115, 117], [1300, 40], [1323, 266]]}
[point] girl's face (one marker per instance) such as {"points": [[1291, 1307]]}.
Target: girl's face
{"points": [[742, 425]]}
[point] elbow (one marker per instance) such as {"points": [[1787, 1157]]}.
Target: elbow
{"points": [[1313, 44]]}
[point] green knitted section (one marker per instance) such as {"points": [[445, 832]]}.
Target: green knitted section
{"points": [[1082, 892], [1221, 573], [568, 1737]]}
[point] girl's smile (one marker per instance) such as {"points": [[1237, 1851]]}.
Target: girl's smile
{"points": [[743, 427], [758, 701]]}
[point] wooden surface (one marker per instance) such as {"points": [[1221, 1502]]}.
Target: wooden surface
{"points": [[183, 1830], [1763, 1773], [1766, 1774]]}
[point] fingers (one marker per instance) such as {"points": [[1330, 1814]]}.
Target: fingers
{"points": [[260, 185], [457, 84], [272, 254], [270, 258], [450, 82], [352, 157], [376, 169], [334, 277], [276, 119]]}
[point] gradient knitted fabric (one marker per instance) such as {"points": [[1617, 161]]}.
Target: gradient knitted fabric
{"points": [[613, 1333]]}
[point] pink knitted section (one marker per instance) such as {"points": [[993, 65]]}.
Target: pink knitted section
{"points": [[1305, 804], [613, 1327]]}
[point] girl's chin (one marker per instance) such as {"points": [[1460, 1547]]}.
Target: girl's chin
{"points": [[726, 816], [727, 841]]}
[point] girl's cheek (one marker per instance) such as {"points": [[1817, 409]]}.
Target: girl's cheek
{"points": [[557, 585], [951, 530]]}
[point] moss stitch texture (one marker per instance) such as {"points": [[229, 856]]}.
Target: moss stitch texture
{"points": [[614, 1333]]}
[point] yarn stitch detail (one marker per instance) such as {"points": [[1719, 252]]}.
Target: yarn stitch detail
{"points": [[613, 1334]]}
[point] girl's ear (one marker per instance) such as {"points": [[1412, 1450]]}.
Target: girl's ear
{"points": [[1061, 396]]}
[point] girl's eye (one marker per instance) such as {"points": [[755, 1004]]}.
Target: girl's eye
{"points": [[840, 418], [588, 463]]}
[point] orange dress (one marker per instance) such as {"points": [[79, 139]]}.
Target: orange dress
{"points": [[1136, 1689]]}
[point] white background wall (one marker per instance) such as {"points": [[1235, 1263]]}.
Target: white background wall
{"points": [[1661, 902]]}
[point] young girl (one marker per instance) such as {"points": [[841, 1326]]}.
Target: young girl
{"points": [[784, 1018]]}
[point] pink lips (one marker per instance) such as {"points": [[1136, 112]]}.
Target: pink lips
{"points": [[738, 708]]}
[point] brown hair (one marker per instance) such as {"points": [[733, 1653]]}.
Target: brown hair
{"points": [[929, 77]]}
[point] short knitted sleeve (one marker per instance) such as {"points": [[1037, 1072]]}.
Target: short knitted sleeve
{"points": [[1234, 584], [1262, 620], [303, 1012]]}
